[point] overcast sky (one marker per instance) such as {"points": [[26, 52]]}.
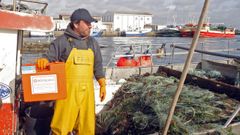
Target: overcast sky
{"points": [[163, 11]]}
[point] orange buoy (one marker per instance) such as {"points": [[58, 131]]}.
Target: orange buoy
{"points": [[144, 61], [127, 62]]}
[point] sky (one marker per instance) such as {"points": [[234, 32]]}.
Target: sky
{"points": [[163, 11]]}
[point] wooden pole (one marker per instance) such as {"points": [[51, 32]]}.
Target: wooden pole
{"points": [[232, 117], [186, 67]]}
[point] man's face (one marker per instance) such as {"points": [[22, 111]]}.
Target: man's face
{"points": [[83, 28]]}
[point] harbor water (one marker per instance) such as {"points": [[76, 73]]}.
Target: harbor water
{"points": [[113, 46]]}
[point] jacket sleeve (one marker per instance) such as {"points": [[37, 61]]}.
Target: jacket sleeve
{"points": [[98, 66], [53, 52]]}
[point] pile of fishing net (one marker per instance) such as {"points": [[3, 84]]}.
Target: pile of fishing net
{"points": [[213, 74], [141, 106]]}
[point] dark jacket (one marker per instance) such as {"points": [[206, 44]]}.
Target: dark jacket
{"points": [[61, 47]]}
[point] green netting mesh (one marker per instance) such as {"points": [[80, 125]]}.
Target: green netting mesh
{"points": [[141, 107]]}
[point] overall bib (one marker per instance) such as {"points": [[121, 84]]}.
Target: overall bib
{"points": [[77, 111]]}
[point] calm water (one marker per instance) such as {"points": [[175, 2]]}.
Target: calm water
{"points": [[111, 44]]}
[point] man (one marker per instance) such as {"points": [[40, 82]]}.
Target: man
{"points": [[83, 60]]}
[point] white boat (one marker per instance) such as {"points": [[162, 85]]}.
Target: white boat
{"points": [[137, 33], [40, 34]]}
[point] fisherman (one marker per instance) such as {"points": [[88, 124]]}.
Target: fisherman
{"points": [[83, 59]]}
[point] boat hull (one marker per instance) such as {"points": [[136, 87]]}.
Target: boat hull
{"points": [[135, 34], [207, 34], [216, 35], [168, 33]]}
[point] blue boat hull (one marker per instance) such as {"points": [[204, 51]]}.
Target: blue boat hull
{"points": [[136, 35]]}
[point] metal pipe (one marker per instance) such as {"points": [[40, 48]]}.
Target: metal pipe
{"points": [[202, 50], [186, 66], [172, 56], [14, 5], [38, 2], [209, 53], [134, 55], [151, 60], [228, 51]]}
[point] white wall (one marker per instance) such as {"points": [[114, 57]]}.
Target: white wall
{"points": [[61, 24], [126, 22], [8, 52]]}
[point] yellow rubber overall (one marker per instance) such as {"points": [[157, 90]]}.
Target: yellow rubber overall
{"points": [[77, 111]]}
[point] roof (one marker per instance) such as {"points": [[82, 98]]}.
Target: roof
{"points": [[23, 21]]}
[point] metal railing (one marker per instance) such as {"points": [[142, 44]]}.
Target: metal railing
{"points": [[138, 50]]}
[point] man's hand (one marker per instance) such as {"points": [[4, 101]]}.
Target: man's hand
{"points": [[102, 83], [42, 63]]}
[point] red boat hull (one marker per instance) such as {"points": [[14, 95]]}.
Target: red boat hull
{"points": [[209, 32], [204, 34], [216, 35]]}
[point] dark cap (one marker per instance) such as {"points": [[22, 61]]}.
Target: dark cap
{"points": [[82, 14]]}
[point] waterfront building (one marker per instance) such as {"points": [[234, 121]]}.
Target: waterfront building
{"points": [[126, 21], [64, 19]]}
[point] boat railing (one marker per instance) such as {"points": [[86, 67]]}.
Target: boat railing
{"points": [[175, 52], [26, 6], [42, 10], [137, 50]]}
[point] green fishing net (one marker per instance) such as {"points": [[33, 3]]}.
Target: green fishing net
{"points": [[141, 107], [213, 74]]}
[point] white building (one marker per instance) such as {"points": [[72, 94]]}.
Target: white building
{"points": [[62, 22], [98, 25], [126, 21]]}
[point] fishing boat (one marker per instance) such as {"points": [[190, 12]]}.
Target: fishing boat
{"points": [[208, 31], [220, 31], [169, 31], [40, 34], [186, 30], [137, 33], [118, 73]]}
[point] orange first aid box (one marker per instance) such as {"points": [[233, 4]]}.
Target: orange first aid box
{"points": [[43, 85]]}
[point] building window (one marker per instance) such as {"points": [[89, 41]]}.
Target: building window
{"points": [[141, 18], [147, 18]]}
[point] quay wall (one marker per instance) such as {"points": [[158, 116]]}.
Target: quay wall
{"points": [[105, 34]]}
